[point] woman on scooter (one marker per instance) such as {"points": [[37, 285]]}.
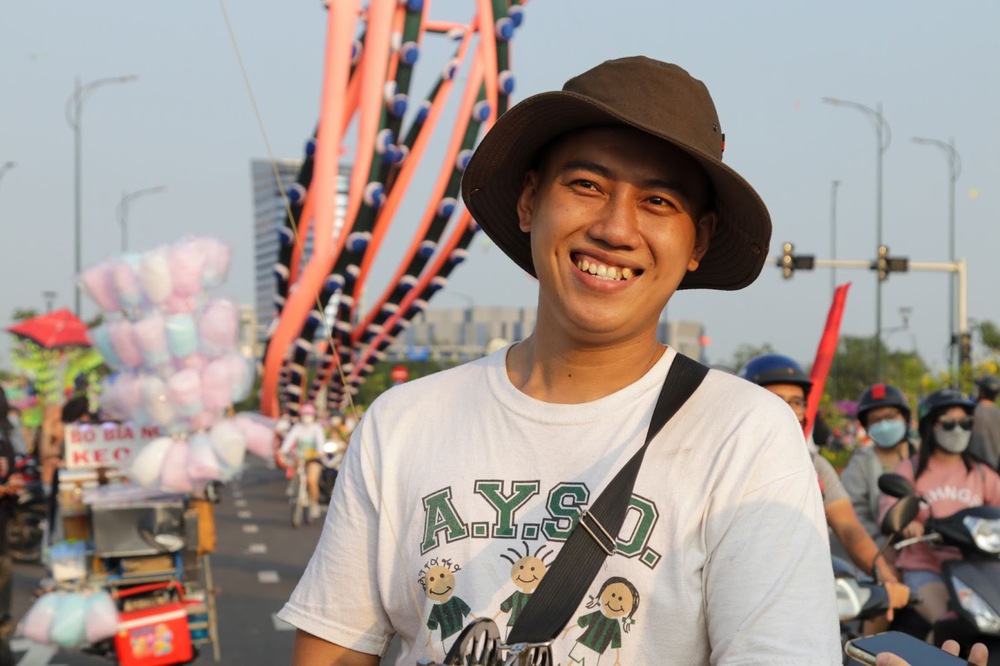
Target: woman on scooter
{"points": [[949, 479]]}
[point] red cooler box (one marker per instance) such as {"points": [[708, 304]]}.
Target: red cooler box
{"points": [[154, 636]]}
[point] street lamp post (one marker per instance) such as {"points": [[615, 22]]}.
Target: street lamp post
{"points": [[954, 171], [6, 166], [74, 112], [834, 186], [883, 137], [123, 205]]}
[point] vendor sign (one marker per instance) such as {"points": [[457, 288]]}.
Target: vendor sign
{"points": [[105, 445]]}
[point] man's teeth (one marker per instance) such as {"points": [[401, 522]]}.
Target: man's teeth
{"points": [[607, 272]]}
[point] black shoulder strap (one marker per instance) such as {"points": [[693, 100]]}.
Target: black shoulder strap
{"points": [[569, 577]]}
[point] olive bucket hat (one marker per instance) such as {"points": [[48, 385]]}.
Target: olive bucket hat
{"points": [[655, 97]]}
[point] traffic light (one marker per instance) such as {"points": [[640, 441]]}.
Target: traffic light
{"points": [[965, 348], [791, 262], [885, 264]]}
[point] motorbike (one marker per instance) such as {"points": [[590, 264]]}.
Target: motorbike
{"points": [[973, 582], [861, 597], [26, 525]]}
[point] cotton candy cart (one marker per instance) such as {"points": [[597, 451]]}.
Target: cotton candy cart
{"points": [[149, 548]]}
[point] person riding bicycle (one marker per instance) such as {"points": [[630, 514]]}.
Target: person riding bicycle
{"points": [[307, 438]]}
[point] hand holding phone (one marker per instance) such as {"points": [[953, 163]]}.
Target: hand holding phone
{"points": [[911, 649]]}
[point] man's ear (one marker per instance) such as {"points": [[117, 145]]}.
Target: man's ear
{"points": [[526, 201], [704, 230]]}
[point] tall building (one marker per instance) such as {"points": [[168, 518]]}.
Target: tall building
{"points": [[269, 215]]}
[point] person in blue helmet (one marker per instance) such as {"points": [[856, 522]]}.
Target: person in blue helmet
{"points": [[884, 412], [785, 378]]}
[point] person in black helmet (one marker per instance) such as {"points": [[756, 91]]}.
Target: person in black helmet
{"points": [[785, 378], [884, 412], [948, 478], [985, 442]]}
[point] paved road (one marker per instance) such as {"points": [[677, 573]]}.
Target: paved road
{"points": [[259, 559]]}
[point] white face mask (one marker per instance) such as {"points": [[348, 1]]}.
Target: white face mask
{"points": [[308, 419], [952, 441]]}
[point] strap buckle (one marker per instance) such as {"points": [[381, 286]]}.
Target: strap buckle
{"points": [[609, 545], [528, 654]]}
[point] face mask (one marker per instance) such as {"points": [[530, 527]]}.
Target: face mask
{"points": [[308, 419], [952, 441], [887, 434]]}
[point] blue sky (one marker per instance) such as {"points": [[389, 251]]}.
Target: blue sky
{"points": [[187, 124]]}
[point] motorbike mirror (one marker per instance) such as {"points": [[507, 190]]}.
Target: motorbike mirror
{"points": [[900, 514], [213, 492], [895, 485]]}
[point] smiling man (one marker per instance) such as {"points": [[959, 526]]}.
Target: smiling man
{"points": [[612, 192]]}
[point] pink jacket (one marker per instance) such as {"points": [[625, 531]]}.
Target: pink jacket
{"points": [[946, 488]]}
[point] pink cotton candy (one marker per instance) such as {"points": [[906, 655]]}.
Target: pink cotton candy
{"points": [[125, 278], [154, 276], [195, 362], [145, 466], [218, 327], [241, 374], [97, 282], [204, 420], [180, 304], [216, 254], [37, 623], [184, 392], [259, 435], [174, 474], [154, 401], [124, 343], [186, 264], [216, 385], [119, 396], [102, 616], [229, 444], [202, 465], [151, 336]]}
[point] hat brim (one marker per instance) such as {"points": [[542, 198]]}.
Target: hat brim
{"points": [[494, 178]]}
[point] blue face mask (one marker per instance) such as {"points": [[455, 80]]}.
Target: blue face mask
{"points": [[887, 434]]}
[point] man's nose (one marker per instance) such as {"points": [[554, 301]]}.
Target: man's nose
{"points": [[617, 224]]}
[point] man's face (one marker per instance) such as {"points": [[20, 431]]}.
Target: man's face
{"points": [[794, 396], [612, 216]]}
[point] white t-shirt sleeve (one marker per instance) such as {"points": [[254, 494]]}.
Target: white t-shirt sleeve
{"points": [[772, 548], [341, 604]]}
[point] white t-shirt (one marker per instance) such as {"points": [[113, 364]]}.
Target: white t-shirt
{"points": [[453, 481]]}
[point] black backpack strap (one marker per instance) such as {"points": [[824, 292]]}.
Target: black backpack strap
{"points": [[566, 582]]}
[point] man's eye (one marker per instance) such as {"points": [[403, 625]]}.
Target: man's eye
{"points": [[586, 184], [662, 201]]}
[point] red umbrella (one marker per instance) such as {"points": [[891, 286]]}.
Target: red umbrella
{"points": [[61, 328]]}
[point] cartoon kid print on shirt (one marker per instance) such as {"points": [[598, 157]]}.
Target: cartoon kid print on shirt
{"points": [[616, 599], [526, 573], [449, 612]]}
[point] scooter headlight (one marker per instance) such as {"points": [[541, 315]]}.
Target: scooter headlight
{"points": [[329, 448], [986, 618], [851, 598], [986, 533]]}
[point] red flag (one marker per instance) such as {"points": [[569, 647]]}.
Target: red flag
{"points": [[825, 353]]}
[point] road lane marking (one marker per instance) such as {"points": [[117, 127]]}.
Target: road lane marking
{"points": [[250, 529], [240, 503], [279, 624], [35, 654], [267, 577], [243, 515], [257, 549]]}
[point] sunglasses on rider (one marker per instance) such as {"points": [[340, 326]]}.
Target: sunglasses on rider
{"points": [[949, 423]]}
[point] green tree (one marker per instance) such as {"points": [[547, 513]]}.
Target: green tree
{"points": [[853, 370], [380, 380], [745, 353]]}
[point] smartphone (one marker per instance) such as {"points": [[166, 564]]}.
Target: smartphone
{"points": [[913, 650]]}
